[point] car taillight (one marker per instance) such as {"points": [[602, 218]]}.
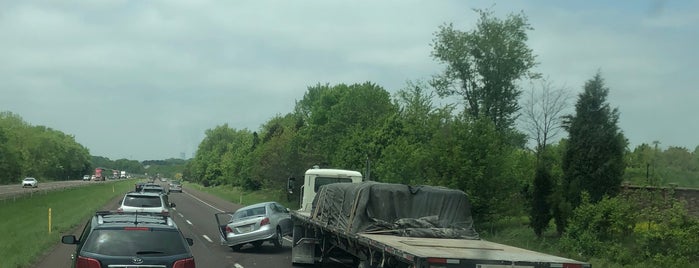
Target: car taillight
{"points": [[228, 229], [264, 221], [165, 212], [120, 210], [184, 263], [83, 262]]}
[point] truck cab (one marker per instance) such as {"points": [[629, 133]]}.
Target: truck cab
{"points": [[316, 177]]}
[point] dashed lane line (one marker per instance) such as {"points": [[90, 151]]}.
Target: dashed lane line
{"points": [[207, 238], [189, 222], [204, 202]]}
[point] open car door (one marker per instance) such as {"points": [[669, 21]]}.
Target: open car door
{"points": [[222, 220]]}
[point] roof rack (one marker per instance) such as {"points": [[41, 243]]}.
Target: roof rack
{"points": [[101, 217]]}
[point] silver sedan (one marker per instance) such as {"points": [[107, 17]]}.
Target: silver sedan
{"points": [[255, 224]]}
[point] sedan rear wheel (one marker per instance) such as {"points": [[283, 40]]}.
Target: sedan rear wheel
{"points": [[279, 239]]}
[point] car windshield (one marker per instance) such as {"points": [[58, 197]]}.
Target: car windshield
{"points": [[142, 201], [257, 211], [121, 242]]}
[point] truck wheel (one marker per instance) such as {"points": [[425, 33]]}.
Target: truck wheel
{"points": [[278, 239]]}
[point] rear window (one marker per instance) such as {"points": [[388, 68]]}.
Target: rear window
{"points": [[249, 213], [152, 190], [320, 181], [142, 201], [120, 242]]}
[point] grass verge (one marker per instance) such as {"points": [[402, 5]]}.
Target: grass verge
{"points": [[24, 222], [238, 196]]}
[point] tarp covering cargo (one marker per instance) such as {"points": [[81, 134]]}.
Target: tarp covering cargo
{"points": [[417, 211]]}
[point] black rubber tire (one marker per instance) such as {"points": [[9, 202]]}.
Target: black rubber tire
{"points": [[236, 247], [278, 239]]}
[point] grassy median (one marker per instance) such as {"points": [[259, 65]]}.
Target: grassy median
{"points": [[25, 226]]}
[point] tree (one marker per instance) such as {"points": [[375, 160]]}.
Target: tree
{"points": [[483, 65], [594, 158], [541, 213], [542, 120], [340, 123], [542, 113]]}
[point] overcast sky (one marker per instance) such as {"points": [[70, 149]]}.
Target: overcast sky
{"points": [[145, 79]]}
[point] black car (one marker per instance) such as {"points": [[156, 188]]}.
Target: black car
{"points": [[122, 239]]}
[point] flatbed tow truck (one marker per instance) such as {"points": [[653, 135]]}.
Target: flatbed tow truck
{"points": [[338, 224]]}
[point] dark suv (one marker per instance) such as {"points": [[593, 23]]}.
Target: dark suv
{"points": [[123, 239]]}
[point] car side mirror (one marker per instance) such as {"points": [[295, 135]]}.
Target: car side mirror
{"points": [[69, 239], [290, 183], [172, 205], [190, 241]]}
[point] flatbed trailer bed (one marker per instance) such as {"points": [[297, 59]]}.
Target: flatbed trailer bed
{"points": [[313, 238]]}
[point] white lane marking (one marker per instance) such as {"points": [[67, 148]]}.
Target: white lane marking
{"points": [[181, 216], [238, 265], [288, 239], [189, 222], [207, 238], [204, 202]]}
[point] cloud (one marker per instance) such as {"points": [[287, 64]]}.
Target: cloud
{"points": [[168, 70]]}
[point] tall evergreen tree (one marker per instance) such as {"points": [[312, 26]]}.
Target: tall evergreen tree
{"points": [[540, 214], [594, 158]]}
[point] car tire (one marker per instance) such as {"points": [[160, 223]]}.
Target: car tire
{"points": [[236, 247], [278, 239]]}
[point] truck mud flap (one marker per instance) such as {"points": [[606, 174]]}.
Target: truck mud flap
{"points": [[222, 220]]}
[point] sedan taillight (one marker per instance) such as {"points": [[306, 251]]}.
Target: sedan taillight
{"points": [[264, 221], [84, 262], [184, 263], [228, 229]]}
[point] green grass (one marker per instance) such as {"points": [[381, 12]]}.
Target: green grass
{"points": [[24, 224], [238, 196]]}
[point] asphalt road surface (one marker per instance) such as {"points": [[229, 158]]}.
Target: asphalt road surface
{"points": [[194, 214]]}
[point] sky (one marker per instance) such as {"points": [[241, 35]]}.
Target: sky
{"points": [[144, 80]]}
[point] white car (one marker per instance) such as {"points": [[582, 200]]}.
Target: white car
{"points": [[87, 178], [30, 182], [146, 202]]}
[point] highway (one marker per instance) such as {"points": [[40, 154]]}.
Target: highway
{"points": [[194, 215], [15, 190]]}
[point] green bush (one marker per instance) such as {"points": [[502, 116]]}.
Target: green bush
{"points": [[634, 229]]}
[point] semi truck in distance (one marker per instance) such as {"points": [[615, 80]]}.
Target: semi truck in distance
{"points": [[99, 175], [372, 224]]}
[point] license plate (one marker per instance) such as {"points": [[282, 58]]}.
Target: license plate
{"points": [[245, 229]]}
